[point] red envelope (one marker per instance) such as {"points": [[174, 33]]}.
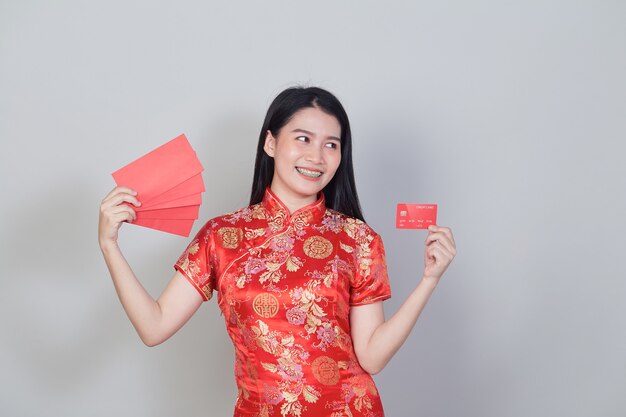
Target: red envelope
{"points": [[180, 227], [160, 170], [194, 185], [169, 184], [416, 216], [189, 212], [191, 200]]}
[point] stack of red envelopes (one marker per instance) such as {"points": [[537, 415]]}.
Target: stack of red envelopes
{"points": [[169, 185]]}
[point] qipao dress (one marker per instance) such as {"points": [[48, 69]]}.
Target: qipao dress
{"points": [[285, 284]]}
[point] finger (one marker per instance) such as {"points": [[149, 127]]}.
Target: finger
{"points": [[120, 198], [442, 252], [446, 230], [124, 209], [107, 212], [433, 254], [443, 239], [434, 236], [118, 190], [115, 191], [123, 217], [120, 214]]}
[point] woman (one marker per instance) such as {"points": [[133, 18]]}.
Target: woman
{"points": [[300, 276]]}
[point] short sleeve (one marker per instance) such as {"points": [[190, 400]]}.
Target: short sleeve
{"points": [[195, 263], [371, 282]]}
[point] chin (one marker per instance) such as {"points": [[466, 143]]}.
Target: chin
{"points": [[312, 190]]}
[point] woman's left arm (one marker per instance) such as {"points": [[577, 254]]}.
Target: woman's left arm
{"points": [[375, 339]]}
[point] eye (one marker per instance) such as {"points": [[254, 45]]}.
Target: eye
{"points": [[332, 145], [302, 138]]}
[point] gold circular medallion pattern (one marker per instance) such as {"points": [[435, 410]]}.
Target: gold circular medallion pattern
{"points": [[230, 237], [326, 371], [317, 247], [265, 305]]}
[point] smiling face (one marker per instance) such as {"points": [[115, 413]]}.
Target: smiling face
{"points": [[306, 153]]}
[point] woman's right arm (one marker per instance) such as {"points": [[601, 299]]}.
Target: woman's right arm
{"points": [[154, 320]]}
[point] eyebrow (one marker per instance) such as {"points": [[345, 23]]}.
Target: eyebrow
{"points": [[313, 134]]}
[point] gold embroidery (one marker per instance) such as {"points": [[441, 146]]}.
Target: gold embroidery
{"points": [[193, 248], [230, 237], [253, 233], [278, 221], [206, 289], [326, 371], [258, 212], [317, 247], [345, 247], [302, 220], [265, 305]]}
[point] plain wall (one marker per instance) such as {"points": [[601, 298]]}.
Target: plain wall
{"points": [[509, 115]]}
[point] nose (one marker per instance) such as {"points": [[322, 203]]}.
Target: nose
{"points": [[315, 155]]}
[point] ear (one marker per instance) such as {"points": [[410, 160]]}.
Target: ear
{"points": [[270, 144]]}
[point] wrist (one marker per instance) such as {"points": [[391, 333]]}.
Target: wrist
{"points": [[107, 246], [429, 282]]}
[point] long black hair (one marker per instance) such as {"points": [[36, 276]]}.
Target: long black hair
{"points": [[340, 193]]}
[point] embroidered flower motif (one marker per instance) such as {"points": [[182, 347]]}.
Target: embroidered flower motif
{"points": [[272, 394], [326, 335], [296, 294], [282, 243], [289, 370], [332, 222], [254, 266], [296, 316], [347, 391]]}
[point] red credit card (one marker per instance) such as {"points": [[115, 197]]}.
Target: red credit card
{"points": [[416, 216]]}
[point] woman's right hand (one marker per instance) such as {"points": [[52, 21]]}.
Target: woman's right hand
{"points": [[113, 212]]}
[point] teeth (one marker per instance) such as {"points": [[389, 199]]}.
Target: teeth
{"points": [[306, 172]]}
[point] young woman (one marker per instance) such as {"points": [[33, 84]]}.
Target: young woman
{"points": [[300, 276]]}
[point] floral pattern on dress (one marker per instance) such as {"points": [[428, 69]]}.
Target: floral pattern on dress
{"points": [[285, 284]]}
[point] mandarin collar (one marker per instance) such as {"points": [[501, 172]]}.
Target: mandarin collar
{"points": [[276, 208]]}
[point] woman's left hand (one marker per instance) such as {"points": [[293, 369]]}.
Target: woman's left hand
{"points": [[439, 252]]}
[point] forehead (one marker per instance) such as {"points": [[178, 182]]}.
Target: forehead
{"points": [[316, 121]]}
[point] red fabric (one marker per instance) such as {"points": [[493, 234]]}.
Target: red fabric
{"points": [[285, 284]]}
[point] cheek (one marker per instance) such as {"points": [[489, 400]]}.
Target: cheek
{"points": [[336, 159], [284, 156], [334, 162]]}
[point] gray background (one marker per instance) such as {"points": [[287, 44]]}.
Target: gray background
{"points": [[509, 115]]}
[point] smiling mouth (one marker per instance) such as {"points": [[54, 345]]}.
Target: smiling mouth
{"points": [[309, 173]]}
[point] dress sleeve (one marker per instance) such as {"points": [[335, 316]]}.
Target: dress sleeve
{"points": [[195, 262], [371, 282]]}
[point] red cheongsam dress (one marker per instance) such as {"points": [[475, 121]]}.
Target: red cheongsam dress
{"points": [[285, 284]]}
